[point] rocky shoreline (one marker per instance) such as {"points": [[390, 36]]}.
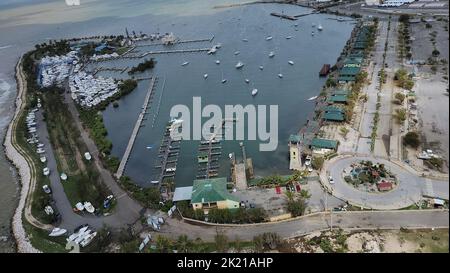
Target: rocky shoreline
{"points": [[23, 170]]}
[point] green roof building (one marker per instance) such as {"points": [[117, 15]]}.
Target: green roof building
{"points": [[212, 193], [322, 143], [333, 113]]}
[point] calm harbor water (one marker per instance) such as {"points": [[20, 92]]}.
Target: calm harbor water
{"points": [[31, 22]]}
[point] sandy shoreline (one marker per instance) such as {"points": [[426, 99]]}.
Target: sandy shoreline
{"points": [[23, 170]]}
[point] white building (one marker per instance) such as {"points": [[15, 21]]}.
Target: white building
{"points": [[395, 3]]}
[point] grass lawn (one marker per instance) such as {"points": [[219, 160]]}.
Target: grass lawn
{"points": [[434, 241]]}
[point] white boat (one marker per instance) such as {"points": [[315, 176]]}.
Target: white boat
{"points": [[217, 62], [291, 62], [213, 50], [185, 63], [88, 156], [254, 92], [247, 80], [239, 65], [205, 76], [295, 25], [340, 19], [312, 33], [79, 206], [280, 75], [271, 54], [289, 37], [230, 155], [63, 176], [244, 40], [313, 98], [320, 28], [224, 80], [88, 206], [261, 67], [237, 52], [82, 236], [74, 236], [88, 239], [43, 159], [269, 38], [57, 232]]}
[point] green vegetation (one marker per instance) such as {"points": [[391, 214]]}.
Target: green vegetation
{"points": [[317, 162], [84, 182], [344, 131], [412, 139], [400, 115], [147, 64], [223, 216], [435, 163], [266, 241], [403, 79], [399, 98], [40, 240], [148, 197]]}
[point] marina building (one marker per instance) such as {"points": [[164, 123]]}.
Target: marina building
{"points": [[212, 193], [333, 113], [338, 96]]}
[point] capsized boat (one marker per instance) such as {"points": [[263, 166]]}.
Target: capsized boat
{"points": [[57, 232], [239, 65], [254, 92]]}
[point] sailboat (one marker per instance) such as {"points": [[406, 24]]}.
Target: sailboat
{"points": [[237, 52], [291, 62], [247, 80], [185, 63], [271, 54], [254, 92], [289, 37], [280, 75], [205, 76], [223, 79], [269, 38], [239, 65]]}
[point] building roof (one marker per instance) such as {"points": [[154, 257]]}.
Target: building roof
{"points": [[322, 143], [337, 98], [211, 190], [182, 193], [333, 109], [349, 71], [334, 116], [347, 78], [295, 138], [340, 92]]}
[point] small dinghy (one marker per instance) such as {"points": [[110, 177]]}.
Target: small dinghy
{"points": [[57, 232]]}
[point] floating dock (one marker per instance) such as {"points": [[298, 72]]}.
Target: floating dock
{"points": [[168, 153], [135, 132], [283, 16]]}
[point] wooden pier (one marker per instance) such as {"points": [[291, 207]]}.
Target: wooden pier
{"points": [[168, 155], [135, 132], [167, 52], [208, 159]]}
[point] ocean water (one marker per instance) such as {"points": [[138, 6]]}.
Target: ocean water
{"points": [[29, 22]]}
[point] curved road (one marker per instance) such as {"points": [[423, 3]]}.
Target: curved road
{"points": [[410, 189]]}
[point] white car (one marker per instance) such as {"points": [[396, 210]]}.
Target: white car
{"points": [[46, 171], [330, 179]]}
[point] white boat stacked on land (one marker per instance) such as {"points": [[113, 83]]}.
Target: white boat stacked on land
{"points": [[88, 207], [89, 91], [83, 236], [55, 69]]}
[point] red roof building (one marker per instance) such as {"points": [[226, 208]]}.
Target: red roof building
{"points": [[384, 186]]}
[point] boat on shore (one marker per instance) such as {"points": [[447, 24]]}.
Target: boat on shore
{"points": [[88, 207], [324, 70]]}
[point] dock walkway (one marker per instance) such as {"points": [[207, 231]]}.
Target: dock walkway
{"points": [[137, 126]]}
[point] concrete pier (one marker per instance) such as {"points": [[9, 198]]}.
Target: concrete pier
{"points": [[137, 126]]}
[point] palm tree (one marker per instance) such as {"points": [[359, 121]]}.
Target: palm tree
{"points": [[183, 243], [162, 244], [289, 195]]}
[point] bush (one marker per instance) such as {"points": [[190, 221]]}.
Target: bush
{"points": [[317, 163], [297, 207], [412, 139], [400, 97]]}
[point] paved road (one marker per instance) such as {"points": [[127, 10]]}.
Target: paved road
{"points": [[409, 190], [311, 223]]}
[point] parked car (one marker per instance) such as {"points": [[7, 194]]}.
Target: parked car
{"points": [[330, 179]]}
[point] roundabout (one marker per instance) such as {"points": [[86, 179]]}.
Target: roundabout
{"points": [[408, 190]]}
